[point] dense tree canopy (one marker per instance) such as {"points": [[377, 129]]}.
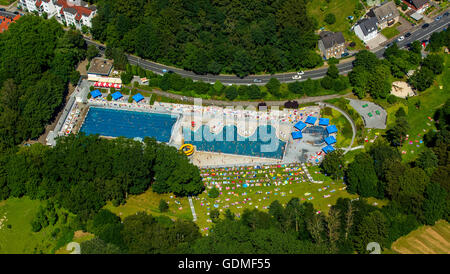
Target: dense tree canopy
{"points": [[37, 59], [83, 172], [212, 36]]}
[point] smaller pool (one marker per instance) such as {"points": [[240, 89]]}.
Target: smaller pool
{"points": [[130, 124], [263, 143], [315, 135]]}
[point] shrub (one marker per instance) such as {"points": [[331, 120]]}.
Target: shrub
{"points": [[109, 97], [291, 104], [333, 61], [163, 206], [296, 87], [330, 18], [213, 193], [273, 87], [327, 82], [392, 99], [262, 105], [231, 93]]}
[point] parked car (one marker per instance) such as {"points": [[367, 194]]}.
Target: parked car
{"points": [[408, 34], [438, 18], [388, 45], [446, 14], [2, 9], [296, 77], [100, 48], [164, 70], [425, 26], [345, 54], [401, 38], [300, 72], [257, 81]]}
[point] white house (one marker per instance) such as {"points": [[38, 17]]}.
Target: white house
{"points": [[367, 29], [72, 12]]}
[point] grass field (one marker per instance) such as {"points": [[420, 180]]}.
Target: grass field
{"points": [[265, 185], [390, 31], [421, 119], [19, 239], [341, 9], [344, 136], [425, 240], [6, 2], [149, 202]]}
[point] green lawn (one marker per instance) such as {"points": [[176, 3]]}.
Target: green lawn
{"points": [[19, 239], [390, 31], [6, 2], [421, 119], [149, 202], [265, 185], [341, 9], [344, 136]]}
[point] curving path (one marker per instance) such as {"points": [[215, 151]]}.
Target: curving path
{"points": [[348, 118]]}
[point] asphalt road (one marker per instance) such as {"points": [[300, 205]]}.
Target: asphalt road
{"points": [[418, 34]]}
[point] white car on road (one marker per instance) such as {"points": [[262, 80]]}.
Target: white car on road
{"points": [[296, 77], [301, 72], [401, 38]]}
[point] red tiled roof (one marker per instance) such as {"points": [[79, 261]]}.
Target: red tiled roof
{"points": [[6, 21], [38, 3], [80, 9]]}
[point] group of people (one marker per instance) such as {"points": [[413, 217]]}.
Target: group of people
{"points": [[71, 120], [239, 114]]}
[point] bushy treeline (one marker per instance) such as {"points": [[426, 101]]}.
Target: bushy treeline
{"points": [[439, 40], [431, 66], [37, 60], [273, 89], [83, 172], [295, 228], [420, 188], [139, 234], [212, 36]]}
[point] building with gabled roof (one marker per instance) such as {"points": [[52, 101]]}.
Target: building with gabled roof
{"points": [[331, 44], [417, 5], [71, 12], [367, 29], [386, 14]]}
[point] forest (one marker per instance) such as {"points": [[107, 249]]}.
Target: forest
{"points": [[37, 61], [212, 36], [81, 173]]}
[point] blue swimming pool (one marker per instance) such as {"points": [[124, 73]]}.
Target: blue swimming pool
{"points": [[263, 143], [130, 124]]}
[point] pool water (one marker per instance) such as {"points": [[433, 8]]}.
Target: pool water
{"points": [[263, 143], [130, 124], [315, 135]]}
